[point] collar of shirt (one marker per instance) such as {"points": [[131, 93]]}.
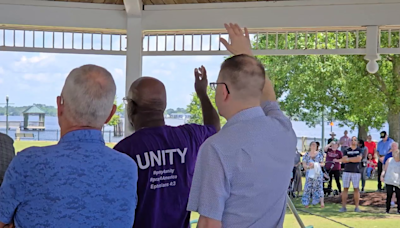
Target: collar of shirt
{"points": [[244, 115], [86, 136]]}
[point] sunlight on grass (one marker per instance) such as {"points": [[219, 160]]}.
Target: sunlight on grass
{"points": [[21, 145]]}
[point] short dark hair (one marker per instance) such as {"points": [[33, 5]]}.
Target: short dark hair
{"points": [[245, 74]]}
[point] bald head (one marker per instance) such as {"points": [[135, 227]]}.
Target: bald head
{"points": [[88, 96], [245, 75], [149, 94]]}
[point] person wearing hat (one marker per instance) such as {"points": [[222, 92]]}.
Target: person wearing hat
{"points": [[332, 138], [384, 147]]}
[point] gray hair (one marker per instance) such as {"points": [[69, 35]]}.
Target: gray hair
{"points": [[88, 95]]}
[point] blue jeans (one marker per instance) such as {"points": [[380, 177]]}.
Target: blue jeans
{"points": [[369, 171]]}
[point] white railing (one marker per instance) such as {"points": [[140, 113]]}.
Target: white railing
{"points": [[287, 41]]}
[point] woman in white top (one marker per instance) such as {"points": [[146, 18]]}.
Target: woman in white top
{"points": [[391, 177]]}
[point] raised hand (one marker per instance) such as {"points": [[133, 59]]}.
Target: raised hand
{"points": [[201, 81], [240, 41]]}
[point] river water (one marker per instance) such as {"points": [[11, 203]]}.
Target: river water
{"points": [[52, 132]]}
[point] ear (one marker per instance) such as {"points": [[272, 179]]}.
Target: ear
{"points": [[113, 110], [225, 93], [60, 106]]}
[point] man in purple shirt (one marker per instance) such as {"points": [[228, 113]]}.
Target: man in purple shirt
{"points": [[166, 156]]}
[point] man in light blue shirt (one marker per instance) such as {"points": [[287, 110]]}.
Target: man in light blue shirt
{"points": [[79, 182], [242, 173], [382, 150]]}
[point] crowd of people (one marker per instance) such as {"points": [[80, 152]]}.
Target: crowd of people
{"points": [[156, 176], [354, 161]]}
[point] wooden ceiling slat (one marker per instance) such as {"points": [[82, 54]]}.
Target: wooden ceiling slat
{"points": [[157, 2], [169, 2], [147, 2], [161, 2]]}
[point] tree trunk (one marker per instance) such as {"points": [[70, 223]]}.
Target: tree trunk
{"points": [[394, 125], [362, 132]]}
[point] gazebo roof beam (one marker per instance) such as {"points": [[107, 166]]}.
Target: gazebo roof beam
{"points": [[178, 17]]}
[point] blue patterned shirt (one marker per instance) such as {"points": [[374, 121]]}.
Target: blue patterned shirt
{"points": [[242, 173], [77, 183]]}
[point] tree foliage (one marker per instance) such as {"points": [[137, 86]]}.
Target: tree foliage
{"points": [[194, 108], [312, 85], [117, 116]]}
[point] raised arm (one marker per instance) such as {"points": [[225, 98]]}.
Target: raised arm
{"points": [[210, 115]]}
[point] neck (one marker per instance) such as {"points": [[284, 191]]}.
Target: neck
{"points": [[353, 146], [66, 130], [146, 120], [240, 106]]}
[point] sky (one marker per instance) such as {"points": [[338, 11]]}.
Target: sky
{"points": [[29, 77]]}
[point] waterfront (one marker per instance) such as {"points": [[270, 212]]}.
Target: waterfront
{"points": [[302, 130]]}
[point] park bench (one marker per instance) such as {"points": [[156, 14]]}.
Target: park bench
{"points": [[24, 135]]}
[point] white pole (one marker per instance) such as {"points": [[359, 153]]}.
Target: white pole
{"points": [[133, 59]]}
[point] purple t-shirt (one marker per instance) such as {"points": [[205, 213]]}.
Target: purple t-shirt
{"points": [[166, 157], [330, 155]]}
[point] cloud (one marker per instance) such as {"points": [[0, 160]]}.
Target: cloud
{"points": [[41, 60], [36, 77], [118, 73]]}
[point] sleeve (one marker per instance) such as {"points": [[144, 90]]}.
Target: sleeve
{"points": [[340, 156], [345, 153], [11, 191], [210, 187], [198, 134], [271, 109]]}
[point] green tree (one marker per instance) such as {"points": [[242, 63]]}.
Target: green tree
{"points": [[116, 117], [336, 86], [194, 108]]}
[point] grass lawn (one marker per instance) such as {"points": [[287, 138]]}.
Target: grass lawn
{"points": [[369, 218]]}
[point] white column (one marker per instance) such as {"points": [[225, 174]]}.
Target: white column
{"points": [[133, 59]]}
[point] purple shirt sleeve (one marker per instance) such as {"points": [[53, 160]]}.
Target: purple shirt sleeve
{"points": [[199, 133], [271, 109], [11, 191], [210, 186]]}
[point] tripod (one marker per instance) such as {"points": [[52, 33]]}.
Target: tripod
{"points": [[296, 215]]}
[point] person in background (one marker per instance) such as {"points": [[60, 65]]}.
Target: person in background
{"points": [[313, 188], [363, 164], [7, 153], [80, 182], [393, 147], [332, 152], [166, 155], [344, 141], [371, 145], [232, 179], [332, 138], [391, 176], [383, 148], [352, 158], [371, 165], [298, 187]]}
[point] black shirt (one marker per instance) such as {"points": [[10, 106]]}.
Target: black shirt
{"points": [[352, 167]]}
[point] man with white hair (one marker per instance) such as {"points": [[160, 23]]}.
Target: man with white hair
{"points": [[79, 182]]}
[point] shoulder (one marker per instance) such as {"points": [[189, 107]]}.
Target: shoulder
{"points": [[120, 159], [196, 128], [6, 138]]}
